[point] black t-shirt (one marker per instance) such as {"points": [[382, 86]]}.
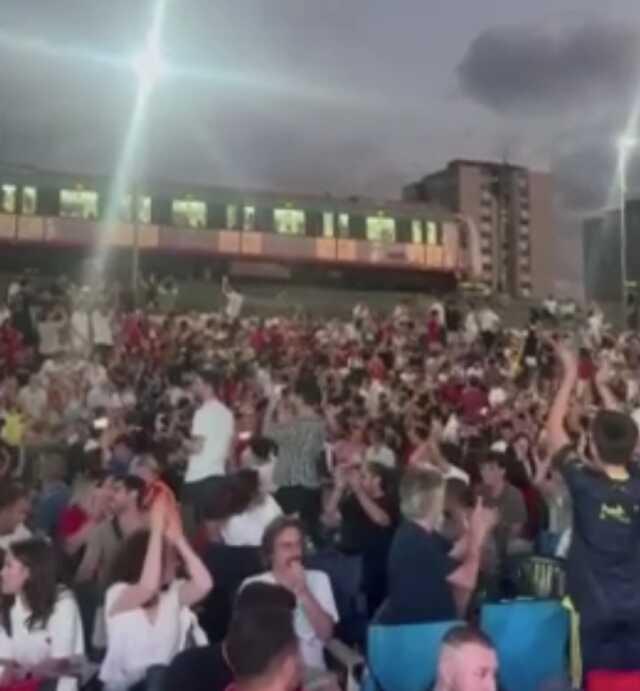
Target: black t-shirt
{"points": [[604, 559], [359, 534], [199, 669], [418, 567]]}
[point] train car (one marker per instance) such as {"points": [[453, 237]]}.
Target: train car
{"points": [[184, 228]]}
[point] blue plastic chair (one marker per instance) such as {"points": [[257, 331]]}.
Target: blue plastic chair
{"points": [[403, 658], [531, 638]]}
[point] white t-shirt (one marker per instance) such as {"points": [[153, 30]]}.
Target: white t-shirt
{"points": [[213, 421], [62, 637], [80, 329], [247, 528], [234, 304], [381, 454], [20, 533], [102, 332], [134, 643], [311, 647], [489, 320], [49, 332], [33, 401]]}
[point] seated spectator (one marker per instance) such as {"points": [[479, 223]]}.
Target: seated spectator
{"points": [[207, 668], [498, 493], [316, 613], [147, 608], [251, 512], [41, 632], [468, 662], [262, 650], [54, 495], [126, 517], [364, 504], [429, 578], [87, 507], [14, 509]]}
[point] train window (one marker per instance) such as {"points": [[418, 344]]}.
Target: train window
{"points": [[79, 204], [144, 209], [328, 229], [432, 233], [232, 217], [249, 218], [8, 199], [416, 231], [343, 225], [381, 229], [29, 200], [189, 213], [289, 221]]}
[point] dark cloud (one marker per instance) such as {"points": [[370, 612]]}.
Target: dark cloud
{"points": [[549, 69]]}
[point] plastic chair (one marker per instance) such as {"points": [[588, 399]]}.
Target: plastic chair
{"points": [[531, 638], [404, 658]]}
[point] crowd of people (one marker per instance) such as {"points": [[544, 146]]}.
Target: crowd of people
{"points": [[197, 501]]}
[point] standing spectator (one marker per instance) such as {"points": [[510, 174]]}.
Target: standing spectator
{"points": [[429, 578], [235, 301], [210, 443], [489, 327], [316, 614], [604, 558], [300, 440], [364, 505], [101, 322], [42, 632], [498, 493]]}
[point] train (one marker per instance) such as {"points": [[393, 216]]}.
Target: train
{"points": [[183, 228]]}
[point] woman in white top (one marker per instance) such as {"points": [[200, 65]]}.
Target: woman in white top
{"points": [[41, 632], [249, 510], [148, 619]]}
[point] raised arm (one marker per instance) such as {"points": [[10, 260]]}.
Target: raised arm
{"points": [[137, 594], [602, 379], [556, 433], [199, 582]]}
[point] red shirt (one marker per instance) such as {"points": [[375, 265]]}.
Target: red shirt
{"points": [[473, 400], [72, 519]]}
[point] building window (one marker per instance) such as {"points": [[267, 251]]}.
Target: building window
{"points": [[189, 213], [381, 229], [432, 233], [416, 231], [289, 221], [8, 199], [486, 268], [249, 218], [524, 214], [144, 209], [232, 217], [343, 225], [328, 228]]}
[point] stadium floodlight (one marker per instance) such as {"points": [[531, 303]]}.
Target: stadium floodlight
{"points": [[149, 65], [626, 144]]}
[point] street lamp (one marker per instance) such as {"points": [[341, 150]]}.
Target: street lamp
{"points": [[626, 144]]}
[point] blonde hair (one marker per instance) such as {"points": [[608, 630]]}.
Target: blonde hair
{"points": [[422, 493]]}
